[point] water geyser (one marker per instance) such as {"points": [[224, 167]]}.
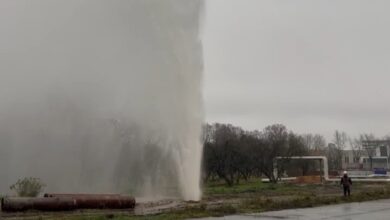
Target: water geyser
{"points": [[102, 96]]}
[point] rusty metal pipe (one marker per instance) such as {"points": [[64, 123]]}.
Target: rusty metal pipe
{"points": [[104, 202], [98, 201], [18, 204], [64, 202], [80, 194]]}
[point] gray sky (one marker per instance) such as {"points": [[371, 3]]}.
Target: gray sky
{"points": [[315, 66]]}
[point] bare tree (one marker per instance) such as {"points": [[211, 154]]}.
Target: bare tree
{"points": [[315, 143], [357, 149], [340, 139], [223, 155], [319, 143], [335, 150], [370, 148], [297, 147], [275, 141], [308, 140]]}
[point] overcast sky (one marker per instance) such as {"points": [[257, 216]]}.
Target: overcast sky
{"points": [[315, 66]]}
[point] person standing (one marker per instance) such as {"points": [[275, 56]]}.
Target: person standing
{"points": [[346, 182]]}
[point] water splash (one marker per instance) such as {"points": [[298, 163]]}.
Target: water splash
{"points": [[102, 96]]}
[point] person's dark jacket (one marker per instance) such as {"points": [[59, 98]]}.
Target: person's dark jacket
{"points": [[345, 181]]}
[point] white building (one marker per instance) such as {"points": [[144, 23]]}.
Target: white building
{"points": [[374, 155]]}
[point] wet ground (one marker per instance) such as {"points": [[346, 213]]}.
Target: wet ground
{"points": [[378, 210]]}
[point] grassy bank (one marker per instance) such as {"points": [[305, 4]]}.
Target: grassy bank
{"points": [[254, 196]]}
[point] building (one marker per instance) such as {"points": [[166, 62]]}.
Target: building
{"points": [[374, 155]]}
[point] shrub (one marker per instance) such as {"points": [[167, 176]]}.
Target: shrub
{"points": [[28, 187]]}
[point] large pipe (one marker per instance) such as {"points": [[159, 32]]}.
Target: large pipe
{"points": [[18, 204], [57, 195], [98, 201], [321, 158], [65, 202]]}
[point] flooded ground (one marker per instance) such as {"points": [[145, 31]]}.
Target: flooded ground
{"points": [[378, 210]]}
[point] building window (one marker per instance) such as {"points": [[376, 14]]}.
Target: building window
{"points": [[383, 151], [346, 160]]}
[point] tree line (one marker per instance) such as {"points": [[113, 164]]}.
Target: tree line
{"points": [[233, 154]]}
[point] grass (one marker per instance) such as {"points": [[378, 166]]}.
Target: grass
{"points": [[261, 204], [255, 186], [196, 212], [254, 196]]}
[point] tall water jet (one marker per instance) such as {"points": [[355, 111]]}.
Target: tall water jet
{"points": [[102, 96]]}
